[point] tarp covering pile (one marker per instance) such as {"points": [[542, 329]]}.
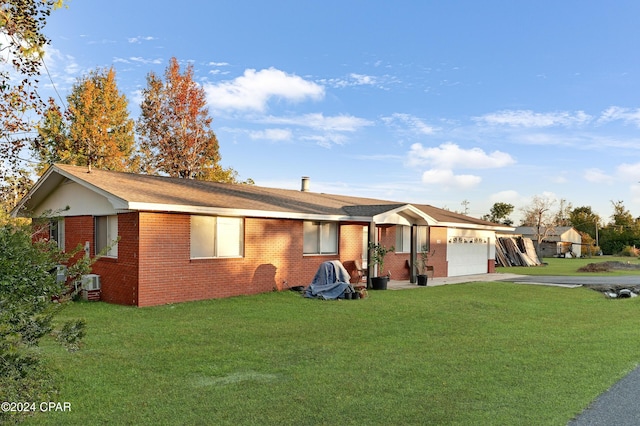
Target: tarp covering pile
{"points": [[516, 251], [330, 282]]}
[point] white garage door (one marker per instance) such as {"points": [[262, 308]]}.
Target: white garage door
{"points": [[467, 256]]}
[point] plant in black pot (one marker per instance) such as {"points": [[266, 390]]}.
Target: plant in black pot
{"points": [[424, 258], [378, 252]]}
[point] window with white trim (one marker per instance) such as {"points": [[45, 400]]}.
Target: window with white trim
{"points": [[320, 237], [422, 238], [403, 238], [106, 235], [56, 232], [216, 236]]}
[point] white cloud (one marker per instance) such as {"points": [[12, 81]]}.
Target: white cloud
{"points": [[450, 155], [353, 79], [218, 64], [361, 79], [327, 140], [272, 134], [596, 176], [447, 179], [254, 89], [337, 123], [615, 113], [528, 118], [508, 196], [140, 39], [410, 122], [629, 172]]}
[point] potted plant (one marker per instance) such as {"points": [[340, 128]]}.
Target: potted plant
{"points": [[424, 258], [378, 252]]}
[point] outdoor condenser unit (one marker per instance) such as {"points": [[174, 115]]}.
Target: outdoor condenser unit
{"points": [[91, 282]]}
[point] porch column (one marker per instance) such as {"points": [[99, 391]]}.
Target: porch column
{"points": [[412, 256], [371, 239]]}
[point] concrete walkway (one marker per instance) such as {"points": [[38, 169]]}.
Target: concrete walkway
{"points": [[431, 282]]}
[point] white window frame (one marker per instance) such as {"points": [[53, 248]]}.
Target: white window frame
{"points": [[106, 235], [403, 239], [56, 232], [422, 238], [213, 237], [320, 237]]}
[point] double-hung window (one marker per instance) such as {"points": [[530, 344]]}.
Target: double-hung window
{"points": [[216, 236], [106, 243], [320, 237]]}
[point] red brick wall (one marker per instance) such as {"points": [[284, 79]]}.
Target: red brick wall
{"points": [[438, 256], [273, 256], [119, 277], [491, 267], [154, 266]]}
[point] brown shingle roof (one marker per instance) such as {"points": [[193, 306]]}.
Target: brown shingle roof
{"points": [[139, 189]]}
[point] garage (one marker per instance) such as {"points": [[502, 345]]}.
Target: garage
{"points": [[468, 252]]}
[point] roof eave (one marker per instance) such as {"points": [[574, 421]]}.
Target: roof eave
{"points": [[223, 211]]}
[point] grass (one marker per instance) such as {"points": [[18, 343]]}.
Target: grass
{"points": [[566, 267], [483, 353]]}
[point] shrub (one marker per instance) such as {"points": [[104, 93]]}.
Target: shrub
{"points": [[629, 251], [28, 287]]}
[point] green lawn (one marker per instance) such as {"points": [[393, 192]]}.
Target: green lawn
{"points": [[483, 353], [560, 266]]}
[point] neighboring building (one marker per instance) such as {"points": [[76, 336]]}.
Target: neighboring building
{"points": [[557, 241], [181, 240]]}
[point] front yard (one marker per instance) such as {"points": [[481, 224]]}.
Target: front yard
{"points": [[485, 353]]}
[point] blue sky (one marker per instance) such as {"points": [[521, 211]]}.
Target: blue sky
{"points": [[418, 101]]}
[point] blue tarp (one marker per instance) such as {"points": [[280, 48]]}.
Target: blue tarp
{"points": [[330, 282]]}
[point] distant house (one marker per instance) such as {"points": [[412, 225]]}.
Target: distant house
{"points": [[557, 241], [180, 240]]}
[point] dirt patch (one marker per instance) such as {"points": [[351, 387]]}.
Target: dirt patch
{"points": [[610, 266]]}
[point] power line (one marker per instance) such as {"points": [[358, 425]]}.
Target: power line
{"points": [[53, 84]]}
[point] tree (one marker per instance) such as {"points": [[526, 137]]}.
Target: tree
{"points": [[21, 24], [96, 130], [563, 214], [622, 231], [27, 287], [621, 216], [52, 145], [538, 215], [585, 220], [175, 129], [14, 187], [499, 213]]}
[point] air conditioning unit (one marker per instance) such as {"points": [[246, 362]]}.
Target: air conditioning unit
{"points": [[91, 282], [61, 274]]}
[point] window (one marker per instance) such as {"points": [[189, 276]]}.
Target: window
{"points": [[213, 236], [403, 238], [107, 236], [320, 237], [422, 237], [56, 232]]}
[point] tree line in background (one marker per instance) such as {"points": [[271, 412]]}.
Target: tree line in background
{"points": [[620, 233]]}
